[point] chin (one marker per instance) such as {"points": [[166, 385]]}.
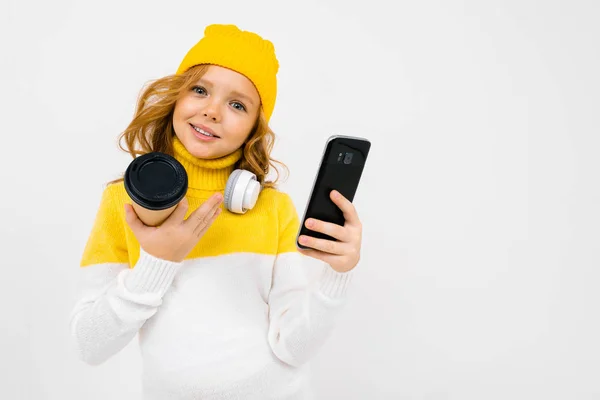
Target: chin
{"points": [[204, 151], [200, 150]]}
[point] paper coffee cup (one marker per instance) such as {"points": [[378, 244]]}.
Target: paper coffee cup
{"points": [[156, 182]]}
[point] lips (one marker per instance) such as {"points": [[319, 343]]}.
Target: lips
{"points": [[204, 129]]}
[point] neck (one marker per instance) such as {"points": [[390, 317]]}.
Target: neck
{"points": [[202, 173]]}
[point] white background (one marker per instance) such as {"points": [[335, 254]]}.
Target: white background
{"points": [[480, 201]]}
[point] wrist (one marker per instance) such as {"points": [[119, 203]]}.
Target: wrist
{"points": [[164, 255]]}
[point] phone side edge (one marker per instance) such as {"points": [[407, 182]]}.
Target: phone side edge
{"points": [[312, 190]]}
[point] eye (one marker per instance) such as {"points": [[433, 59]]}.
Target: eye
{"points": [[199, 89], [238, 106]]}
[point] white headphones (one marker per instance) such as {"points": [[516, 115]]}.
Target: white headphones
{"points": [[241, 191]]}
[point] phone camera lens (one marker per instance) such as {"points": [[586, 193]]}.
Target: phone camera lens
{"points": [[348, 158]]}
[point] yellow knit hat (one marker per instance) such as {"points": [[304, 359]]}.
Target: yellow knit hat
{"points": [[242, 51]]}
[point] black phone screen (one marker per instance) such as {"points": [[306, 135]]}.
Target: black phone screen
{"points": [[341, 167]]}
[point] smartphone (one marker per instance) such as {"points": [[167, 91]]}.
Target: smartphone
{"points": [[342, 165]]}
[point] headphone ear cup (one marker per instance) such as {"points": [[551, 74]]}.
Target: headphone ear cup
{"points": [[228, 195], [241, 191]]}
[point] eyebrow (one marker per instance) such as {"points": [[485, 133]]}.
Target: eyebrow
{"points": [[235, 93]]}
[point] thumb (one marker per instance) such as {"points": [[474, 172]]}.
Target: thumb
{"points": [[132, 219]]}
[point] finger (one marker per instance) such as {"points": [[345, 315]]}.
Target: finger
{"points": [[201, 229], [328, 228], [200, 215], [132, 219], [327, 246], [207, 220], [179, 213], [319, 255], [350, 214]]}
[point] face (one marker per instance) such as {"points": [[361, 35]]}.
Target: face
{"points": [[215, 116]]}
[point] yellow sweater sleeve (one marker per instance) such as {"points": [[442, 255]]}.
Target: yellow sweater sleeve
{"points": [[288, 224], [106, 243]]}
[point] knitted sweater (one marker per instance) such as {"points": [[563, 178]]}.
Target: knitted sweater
{"points": [[237, 319]]}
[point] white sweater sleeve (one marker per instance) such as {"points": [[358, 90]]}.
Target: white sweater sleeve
{"points": [[115, 302], [302, 315]]}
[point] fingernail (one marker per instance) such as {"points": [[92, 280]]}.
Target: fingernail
{"points": [[310, 223]]}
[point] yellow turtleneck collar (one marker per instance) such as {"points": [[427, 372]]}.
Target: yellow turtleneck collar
{"points": [[202, 173]]}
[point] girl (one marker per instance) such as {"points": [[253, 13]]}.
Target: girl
{"points": [[220, 300]]}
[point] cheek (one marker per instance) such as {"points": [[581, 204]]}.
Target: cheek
{"points": [[184, 109], [241, 126]]}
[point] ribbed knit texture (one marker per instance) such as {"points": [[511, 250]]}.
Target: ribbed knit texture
{"points": [[237, 319], [205, 174]]}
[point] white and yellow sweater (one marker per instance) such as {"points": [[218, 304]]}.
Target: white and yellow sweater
{"points": [[237, 319]]}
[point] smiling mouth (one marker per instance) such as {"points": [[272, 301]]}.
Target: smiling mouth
{"points": [[203, 132]]}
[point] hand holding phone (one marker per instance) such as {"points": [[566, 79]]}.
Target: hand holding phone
{"points": [[337, 230]]}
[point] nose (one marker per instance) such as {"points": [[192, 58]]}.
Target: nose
{"points": [[212, 111]]}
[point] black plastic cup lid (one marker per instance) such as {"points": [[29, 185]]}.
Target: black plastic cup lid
{"points": [[156, 181]]}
